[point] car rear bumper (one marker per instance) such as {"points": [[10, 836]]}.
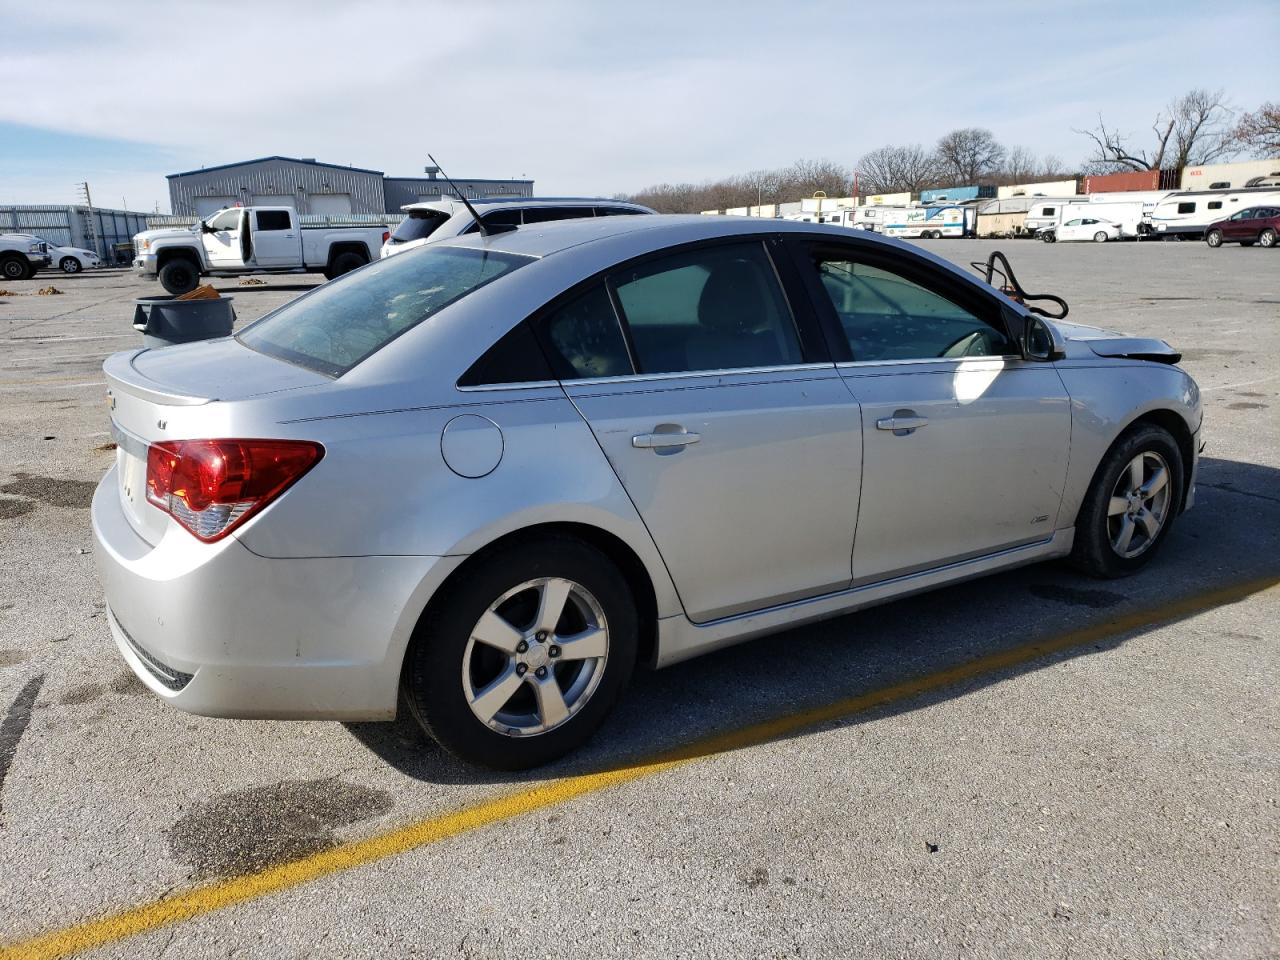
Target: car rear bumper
{"points": [[215, 629]]}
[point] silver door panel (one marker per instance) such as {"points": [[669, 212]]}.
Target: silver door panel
{"points": [[760, 508]]}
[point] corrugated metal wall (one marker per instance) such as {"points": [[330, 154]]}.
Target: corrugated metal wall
{"points": [[288, 180], [68, 226], [402, 190]]}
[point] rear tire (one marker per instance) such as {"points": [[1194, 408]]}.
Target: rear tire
{"points": [[1267, 238], [448, 669], [344, 263], [15, 267], [1100, 237], [70, 265], [1122, 523], [179, 276], [1213, 238]]}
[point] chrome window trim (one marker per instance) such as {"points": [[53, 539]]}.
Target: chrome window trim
{"points": [[523, 385], [846, 364], [646, 377]]}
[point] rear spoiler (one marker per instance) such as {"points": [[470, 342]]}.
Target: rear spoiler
{"points": [[123, 377]]}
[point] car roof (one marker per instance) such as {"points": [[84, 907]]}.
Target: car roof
{"points": [[654, 232], [490, 203]]}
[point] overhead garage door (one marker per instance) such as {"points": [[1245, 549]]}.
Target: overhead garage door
{"points": [[331, 204], [207, 205]]}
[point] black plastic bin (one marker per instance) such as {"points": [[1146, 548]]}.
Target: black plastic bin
{"points": [[164, 321]]}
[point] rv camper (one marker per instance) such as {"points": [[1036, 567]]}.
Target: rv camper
{"points": [[1186, 214], [929, 222], [1046, 212]]}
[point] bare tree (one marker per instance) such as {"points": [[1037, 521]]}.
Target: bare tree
{"points": [[1259, 132], [897, 169], [801, 179], [966, 156], [1193, 129], [1021, 165]]}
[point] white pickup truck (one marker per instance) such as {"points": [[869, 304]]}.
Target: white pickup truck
{"points": [[241, 240], [21, 255]]}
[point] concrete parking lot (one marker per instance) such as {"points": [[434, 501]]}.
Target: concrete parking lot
{"points": [[1030, 765]]}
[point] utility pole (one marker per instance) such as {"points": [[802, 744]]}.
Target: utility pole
{"points": [[83, 190]]}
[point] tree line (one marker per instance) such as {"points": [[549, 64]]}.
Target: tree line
{"points": [[1197, 128]]}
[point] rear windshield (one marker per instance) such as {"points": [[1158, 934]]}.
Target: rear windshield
{"points": [[351, 318], [419, 224]]}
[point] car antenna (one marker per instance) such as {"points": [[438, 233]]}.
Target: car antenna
{"points": [[485, 229]]}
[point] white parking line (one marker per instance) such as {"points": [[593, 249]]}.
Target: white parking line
{"points": [[1242, 383]]}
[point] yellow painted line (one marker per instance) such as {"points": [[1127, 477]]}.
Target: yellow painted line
{"points": [[216, 896]]}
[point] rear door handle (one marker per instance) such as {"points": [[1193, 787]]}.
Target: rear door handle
{"points": [[902, 423], [664, 441]]}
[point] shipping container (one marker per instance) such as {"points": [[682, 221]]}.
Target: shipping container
{"points": [[1232, 176], [1132, 180], [824, 204], [956, 194]]}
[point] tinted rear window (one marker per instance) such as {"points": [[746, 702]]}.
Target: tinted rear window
{"points": [[419, 224], [349, 319]]}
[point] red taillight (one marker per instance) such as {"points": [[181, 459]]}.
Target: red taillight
{"points": [[386, 235], [213, 486]]}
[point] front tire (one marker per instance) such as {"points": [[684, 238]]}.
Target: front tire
{"points": [[1213, 238], [522, 659], [1048, 236], [15, 267], [1267, 238], [179, 276], [1135, 496], [69, 265]]}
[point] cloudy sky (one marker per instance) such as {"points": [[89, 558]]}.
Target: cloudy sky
{"points": [[583, 97]]}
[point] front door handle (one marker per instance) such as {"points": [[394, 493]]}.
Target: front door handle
{"points": [[902, 423], [664, 441]]}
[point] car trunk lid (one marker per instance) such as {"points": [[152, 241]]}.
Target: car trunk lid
{"points": [[175, 393]]}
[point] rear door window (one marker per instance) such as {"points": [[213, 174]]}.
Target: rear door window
{"points": [[584, 338], [547, 214], [616, 212], [711, 308], [351, 318], [272, 219], [498, 218]]}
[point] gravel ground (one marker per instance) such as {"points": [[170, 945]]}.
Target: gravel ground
{"points": [[1117, 799]]}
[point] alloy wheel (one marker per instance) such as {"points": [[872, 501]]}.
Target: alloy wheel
{"points": [[1267, 238], [535, 657], [1139, 505]]}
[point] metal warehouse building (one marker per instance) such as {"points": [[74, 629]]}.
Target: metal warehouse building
{"points": [[312, 187], [107, 231]]}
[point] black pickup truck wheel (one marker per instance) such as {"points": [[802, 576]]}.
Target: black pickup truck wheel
{"points": [[179, 276], [344, 263]]}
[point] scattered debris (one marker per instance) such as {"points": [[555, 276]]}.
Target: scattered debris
{"points": [[202, 292], [931, 847], [105, 448], [48, 292], [10, 293], [253, 282]]}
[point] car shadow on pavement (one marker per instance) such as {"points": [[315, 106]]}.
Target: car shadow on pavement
{"points": [[689, 708]]}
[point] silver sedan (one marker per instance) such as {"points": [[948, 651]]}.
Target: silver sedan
{"points": [[498, 472]]}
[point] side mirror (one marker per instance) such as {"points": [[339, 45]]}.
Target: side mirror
{"points": [[205, 228], [1040, 341]]}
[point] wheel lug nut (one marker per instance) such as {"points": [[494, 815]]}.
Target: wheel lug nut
{"points": [[541, 672], [521, 669], [522, 647], [542, 635], [554, 651]]}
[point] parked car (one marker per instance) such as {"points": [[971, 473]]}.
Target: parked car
{"points": [[435, 220], [1082, 228], [501, 472], [71, 259], [22, 256], [1260, 225], [243, 240]]}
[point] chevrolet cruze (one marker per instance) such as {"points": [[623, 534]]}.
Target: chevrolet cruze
{"points": [[499, 472]]}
